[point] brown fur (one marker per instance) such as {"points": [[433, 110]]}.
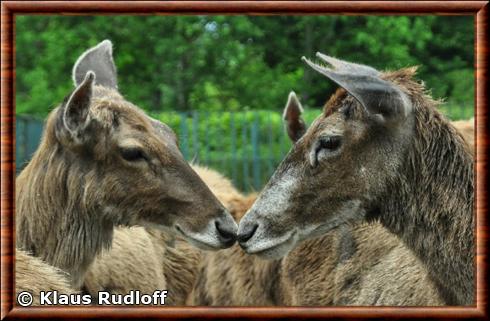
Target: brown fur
{"points": [[467, 129], [399, 162], [442, 186], [56, 203], [33, 275], [231, 277], [180, 270], [373, 268], [438, 174], [361, 265], [133, 262], [144, 259], [101, 163]]}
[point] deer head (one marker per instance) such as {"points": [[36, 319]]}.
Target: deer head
{"points": [[338, 166], [128, 165]]}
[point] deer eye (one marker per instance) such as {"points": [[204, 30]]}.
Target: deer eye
{"points": [[325, 147], [346, 111], [330, 143], [133, 154]]}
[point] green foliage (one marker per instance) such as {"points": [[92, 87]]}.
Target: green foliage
{"points": [[246, 146], [234, 63], [217, 135], [221, 81]]}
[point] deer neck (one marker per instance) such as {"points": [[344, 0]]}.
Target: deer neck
{"points": [[54, 221], [430, 207]]}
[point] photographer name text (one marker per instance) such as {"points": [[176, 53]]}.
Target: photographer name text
{"points": [[134, 297]]}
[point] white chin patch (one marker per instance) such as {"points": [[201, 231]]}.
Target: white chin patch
{"points": [[273, 248], [207, 239], [277, 247]]}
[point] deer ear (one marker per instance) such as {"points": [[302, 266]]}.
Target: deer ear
{"points": [[99, 60], [293, 122], [379, 97], [75, 113]]}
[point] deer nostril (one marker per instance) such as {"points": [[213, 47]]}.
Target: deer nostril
{"points": [[227, 235], [247, 233]]}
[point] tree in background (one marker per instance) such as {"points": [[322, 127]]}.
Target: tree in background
{"points": [[235, 63], [215, 79]]}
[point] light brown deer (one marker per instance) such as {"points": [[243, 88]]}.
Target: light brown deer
{"points": [[33, 275], [467, 129], [103, 163], [146, 259], [364, 264], [380, 151]]}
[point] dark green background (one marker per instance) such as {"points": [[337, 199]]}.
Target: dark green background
{"points": [[237, 62], [221, 81]]}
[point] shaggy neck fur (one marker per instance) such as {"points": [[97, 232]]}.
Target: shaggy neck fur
{"points": [[430, 203], [57, 218]]}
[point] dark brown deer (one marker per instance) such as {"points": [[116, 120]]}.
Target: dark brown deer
{"points": [[380, 151], [360, 264], [103, 163]]}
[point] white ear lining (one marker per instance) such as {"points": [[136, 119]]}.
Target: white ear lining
{"points": [[292, 96], [89, 77]]}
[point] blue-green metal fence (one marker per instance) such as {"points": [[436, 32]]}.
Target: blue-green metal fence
{"points": [[246, 149], [245, 146], [28, 132]]}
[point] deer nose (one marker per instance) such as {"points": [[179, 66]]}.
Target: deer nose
{"points": [[226, 232], [247, 232]]}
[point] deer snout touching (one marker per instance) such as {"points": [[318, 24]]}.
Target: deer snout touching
{"points": [[227, 230], [246, 232], [219, 233]]}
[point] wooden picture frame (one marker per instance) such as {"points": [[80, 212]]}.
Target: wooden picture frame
{"points": [[9, 9]]}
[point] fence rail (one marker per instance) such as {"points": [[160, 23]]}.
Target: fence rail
{"points": [[245, 146]]}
